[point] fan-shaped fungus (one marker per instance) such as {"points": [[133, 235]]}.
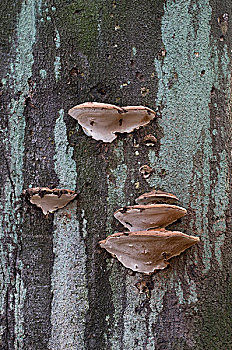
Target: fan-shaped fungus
{"points": [[156, 197], [148, 245], [145, 217], [49, 200], [103, 121], [147, 251]]}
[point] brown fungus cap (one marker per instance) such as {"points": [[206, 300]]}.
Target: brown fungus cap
{"points": [[49, 200], [146, 217], [147, 251], [150, 140], [102, 121], [156, 197]]}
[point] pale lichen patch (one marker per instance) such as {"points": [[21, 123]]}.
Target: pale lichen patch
{"points": [[220, 193], [19, 71], [57, 67], [186, 112], [70, 295], [57, 39], [43, 73], [69, 284], [65, 166]]}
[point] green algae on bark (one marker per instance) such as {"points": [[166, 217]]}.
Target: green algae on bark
{"points": [[82, 16]]}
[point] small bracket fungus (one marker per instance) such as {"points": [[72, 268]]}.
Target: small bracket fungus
{"points": [[150, 140], [147, 251], [103, 121], [156, 197], [146, 171], [145, 285], [145, 217], [49, 200]]}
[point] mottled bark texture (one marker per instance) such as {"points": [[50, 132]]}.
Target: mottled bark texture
{"points": [[59, 290]]}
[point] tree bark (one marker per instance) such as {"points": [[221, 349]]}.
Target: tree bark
{"points": [[59, 289]]}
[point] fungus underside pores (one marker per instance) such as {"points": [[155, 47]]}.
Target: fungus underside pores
{"points": [[148, 246]]}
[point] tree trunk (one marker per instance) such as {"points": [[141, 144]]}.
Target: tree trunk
{"points": [[59, 289]]}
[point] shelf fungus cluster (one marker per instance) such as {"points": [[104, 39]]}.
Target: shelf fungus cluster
{"points": [[103, 121], [148, 245], [49, 200]]}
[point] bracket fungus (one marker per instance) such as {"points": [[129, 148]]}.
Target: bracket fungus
{"points": [[145, 217], [156, 197], [150, 140], [103, 121], [147, 251], [49, 200], [148, 245], [146, 171]]}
